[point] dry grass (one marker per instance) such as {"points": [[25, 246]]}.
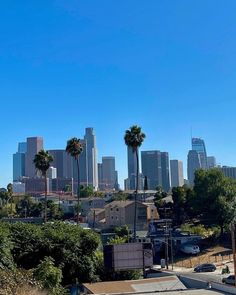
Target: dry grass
{"points": [[216, 255], [18, 282]]}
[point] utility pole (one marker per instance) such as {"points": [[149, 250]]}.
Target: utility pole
{"points": [[171, 247], [166, 245], [233, 248], [167, 235]]}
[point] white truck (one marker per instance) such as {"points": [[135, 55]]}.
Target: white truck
{"points": [[190, 249]]}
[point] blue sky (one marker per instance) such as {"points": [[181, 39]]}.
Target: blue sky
{"points": [[168, 66]]}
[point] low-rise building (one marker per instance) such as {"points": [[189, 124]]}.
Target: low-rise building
{"points": [[118, 213], [91, 203]]}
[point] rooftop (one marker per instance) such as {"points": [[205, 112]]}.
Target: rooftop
{"points": [[136, 286]]}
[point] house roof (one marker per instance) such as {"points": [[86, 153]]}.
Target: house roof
{"points": [[133, 286], [122, 204], [96, 210]]}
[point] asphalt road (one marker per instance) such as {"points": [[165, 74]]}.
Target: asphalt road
{"points": [[206, 276]]}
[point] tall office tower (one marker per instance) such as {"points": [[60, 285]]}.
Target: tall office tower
{"points": [[108, 172], [22, 147], [165, 171], [194, 163], [91, 158], [52, 173], [176, 172], [211, 162], [100, 181], [151, 168], [198, 145], [107, 175], [34, 145], [117, 186], [132, 167], [19, 162], [62, 161], [132, 181]]}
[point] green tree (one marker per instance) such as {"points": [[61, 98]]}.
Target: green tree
{"points": [[71, 247], [50, 276], [6, 259], [75, 148], [179, 204], [54, 211], [159, 196], [120, 196], [122, 231], [214, 197], [26, 206], [10, 195], [42, 161], [134, 138], [86, 191]]}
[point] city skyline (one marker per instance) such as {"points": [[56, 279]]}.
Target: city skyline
{"points": [[168, 67], [60, 156]]}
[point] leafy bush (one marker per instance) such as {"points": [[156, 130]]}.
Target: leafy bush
{"points": [[50, 276], [71, 247], [201, 230]]}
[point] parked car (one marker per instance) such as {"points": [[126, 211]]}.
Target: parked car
{"points": [[206, 267], [229, 280], [190, 249]]}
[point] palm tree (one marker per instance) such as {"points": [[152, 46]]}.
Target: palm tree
{"points": [[42, 161], [10, 196], [75, 148], [134, 139]]}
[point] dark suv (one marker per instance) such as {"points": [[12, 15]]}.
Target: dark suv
{"points": [[229, 280], [205, 267]]}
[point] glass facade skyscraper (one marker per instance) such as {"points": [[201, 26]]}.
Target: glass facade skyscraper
{"points": [[151, 168], [19, 162], [155, 166], [198, 145], [194, 163]]}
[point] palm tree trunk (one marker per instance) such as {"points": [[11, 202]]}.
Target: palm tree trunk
{"points": [[78, 190], [11, 205], [136, 194], [45, 199]]}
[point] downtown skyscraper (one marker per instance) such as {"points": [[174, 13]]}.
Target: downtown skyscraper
{"points": [[107, 175], [34, 145], [91, 158], [197, 158], [194, 163], [67, 167], [155, 166], [19, 162], [198, 145], [151, 168], [176, 171]]}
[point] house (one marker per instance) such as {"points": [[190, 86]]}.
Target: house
{"points": [[68, 204], [118, 213], [91, 203], [152, 213]]}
